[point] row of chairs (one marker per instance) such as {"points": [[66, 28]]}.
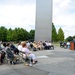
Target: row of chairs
{"points": [[21, 58]]}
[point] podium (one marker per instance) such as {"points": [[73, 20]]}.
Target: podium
{"points": [[72, 45]]}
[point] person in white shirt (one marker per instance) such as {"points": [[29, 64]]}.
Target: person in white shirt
{"points": [[20, 47], [28, 53], [27, 44], [68, 44]]}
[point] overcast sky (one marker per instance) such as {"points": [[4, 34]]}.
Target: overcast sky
{"points": [[21, 13]]}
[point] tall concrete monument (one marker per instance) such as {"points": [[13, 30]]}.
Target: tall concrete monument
{"points": [[43, 25]]}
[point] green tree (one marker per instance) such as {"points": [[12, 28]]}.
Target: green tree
{"points": [[73, 37], [3, 33], [32, 33], [22, 34], [14, 34], [70, 38], [54, 33], [9, 34], [60, 35], [18, 34]]}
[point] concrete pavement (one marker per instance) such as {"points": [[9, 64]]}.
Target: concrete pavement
{"points": [[50, 62]]}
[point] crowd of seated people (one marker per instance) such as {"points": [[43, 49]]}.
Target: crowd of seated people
{"points": [[7, 51], [41, 45], [12, 51], [65, 44], [48, 45]]}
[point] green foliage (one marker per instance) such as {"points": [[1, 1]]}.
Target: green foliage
{"points": [[54, 33], [73, 37], [14, 34], [32, 32], [9, 34], [18, 34], [70, 38], [60, 35], [3, 33], [22, 34]]}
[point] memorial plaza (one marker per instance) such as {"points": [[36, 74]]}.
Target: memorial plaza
{"points": [[59, 61]]}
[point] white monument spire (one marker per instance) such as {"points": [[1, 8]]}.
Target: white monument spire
{"points": [[43, 25]]}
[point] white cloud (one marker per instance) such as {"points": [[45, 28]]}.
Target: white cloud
{"points": [[16, 2], [17, 16], [64, 16]]}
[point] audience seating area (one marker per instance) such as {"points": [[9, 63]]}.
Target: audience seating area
{"points": [[19, 56]]}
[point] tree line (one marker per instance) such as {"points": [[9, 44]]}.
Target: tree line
{"points": [[17, 34], [57, 35], [20, 34]]}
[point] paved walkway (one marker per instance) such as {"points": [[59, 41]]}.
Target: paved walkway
{"points": [[51, 62]]}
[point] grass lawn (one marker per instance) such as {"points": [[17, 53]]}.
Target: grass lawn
{"points": [[56, 43]]}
